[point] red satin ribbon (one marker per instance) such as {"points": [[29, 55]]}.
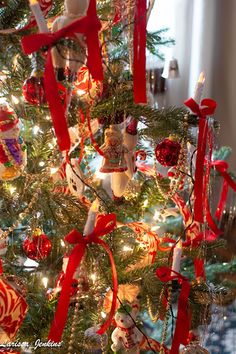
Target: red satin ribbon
{"points": [[139, 45], [222, 166], [95, 145], [222, 201], [208, 236], [206, 107], [199, 268], [89, 25], [182, 322], [105, 224]]}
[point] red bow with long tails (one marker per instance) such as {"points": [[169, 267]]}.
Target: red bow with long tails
{"points": [[105, 224], [88, 25], [182, 322], [207, 107]]}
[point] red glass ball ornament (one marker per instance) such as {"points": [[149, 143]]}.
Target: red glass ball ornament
{"points": [[167, 152], [33, 89], [38, 247]]}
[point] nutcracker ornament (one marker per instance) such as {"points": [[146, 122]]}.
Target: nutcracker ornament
{"points": [[63, 56], [12, 148], [113, 151]]}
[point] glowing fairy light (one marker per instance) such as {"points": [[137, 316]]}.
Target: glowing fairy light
{"points": [[156, 215], [93, 277], [127, 248], [36, 129], [12, 190], [41, 163], [45, 282], [103, 314], [145, 203], [53, 170], [63, 243], [15, 100]]}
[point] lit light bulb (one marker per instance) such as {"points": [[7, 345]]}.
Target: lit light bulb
{"points": [[36, 129], [12, 190], [41, 163], [103, 314], [145, 203], [93, 277], [14, 99], [155, 228], [127, 248], [48, 117], [156, 215], [45, 282], [62, 243], [53, 170]]}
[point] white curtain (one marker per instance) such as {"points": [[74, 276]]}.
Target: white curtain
{"points": [[205, 32]]}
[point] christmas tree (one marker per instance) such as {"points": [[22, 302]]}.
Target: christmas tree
{"points": [[107, 213]]}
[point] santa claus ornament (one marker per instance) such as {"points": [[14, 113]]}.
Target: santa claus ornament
{"points": [[113, 151], [37, 247], [167, 152], [73, 56], [33, 89], [12, 148]]}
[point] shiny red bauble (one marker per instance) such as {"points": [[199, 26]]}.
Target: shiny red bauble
{"points": [[167, 152], [33, 89], [37, 247]]}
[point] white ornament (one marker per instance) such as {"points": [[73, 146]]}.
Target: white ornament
{"points": [[120, 180], [126, 337], [74, 178]]}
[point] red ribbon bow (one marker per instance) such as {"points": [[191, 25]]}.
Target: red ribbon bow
{"points": [[89, 25], [207, 107], [182, 322], [105, 224]]}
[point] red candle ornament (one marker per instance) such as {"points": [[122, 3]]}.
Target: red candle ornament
{"points": [[38, 247]]}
